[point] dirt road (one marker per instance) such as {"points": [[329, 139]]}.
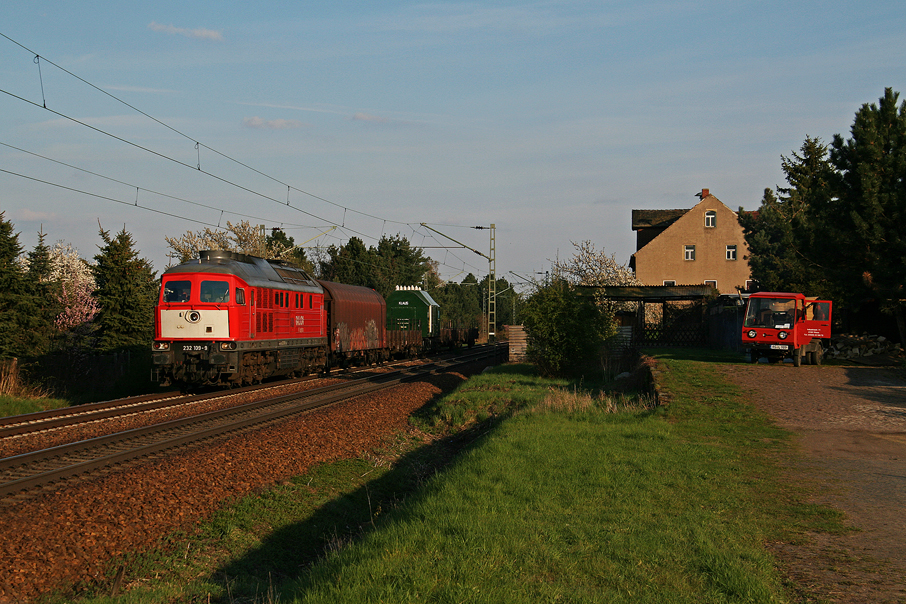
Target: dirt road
{"points": [[850, 424]]}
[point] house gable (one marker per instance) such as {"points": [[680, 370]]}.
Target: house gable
{"points": [[705, 244]]}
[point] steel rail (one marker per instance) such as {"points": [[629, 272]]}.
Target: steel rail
{"points": [[39, 421], [65, 461]]}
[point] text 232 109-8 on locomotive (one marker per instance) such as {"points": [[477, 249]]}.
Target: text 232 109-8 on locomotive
{"points": [[233, 319]]}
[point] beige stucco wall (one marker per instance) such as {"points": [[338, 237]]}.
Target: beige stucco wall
{"points": [[663, 258]]}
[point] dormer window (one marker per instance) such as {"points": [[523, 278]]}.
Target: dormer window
{"points": [[710, 219]]}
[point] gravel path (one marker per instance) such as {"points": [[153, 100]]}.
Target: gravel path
{"points": [[851, 428]]}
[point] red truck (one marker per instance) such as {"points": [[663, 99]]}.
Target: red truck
{"points": [[782, 324]]}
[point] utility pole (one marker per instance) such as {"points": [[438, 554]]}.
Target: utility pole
{"points": [[492, 289], [492, 274]]}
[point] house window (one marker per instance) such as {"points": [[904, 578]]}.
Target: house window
{"points": [[711, 282], [731, 252], [690, 252], [750, 285], [670, 283], [710, 219]]}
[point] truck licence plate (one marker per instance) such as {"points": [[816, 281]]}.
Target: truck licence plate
{"points": [[780, 347]]}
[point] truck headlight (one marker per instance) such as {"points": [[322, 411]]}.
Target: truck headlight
{"points": [[752, 333], [782, 335]]}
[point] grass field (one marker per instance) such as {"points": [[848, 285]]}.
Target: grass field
{"points": [[531, 490]]}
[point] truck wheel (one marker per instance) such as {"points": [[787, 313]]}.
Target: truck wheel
{"points": [[816, 356], [797, 357]]}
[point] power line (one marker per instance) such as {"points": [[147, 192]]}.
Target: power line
{"points": [[139, 188], [135, 204], [197, 167]]}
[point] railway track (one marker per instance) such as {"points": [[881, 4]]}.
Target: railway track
{"points": [[29, 474], [55, 419]]}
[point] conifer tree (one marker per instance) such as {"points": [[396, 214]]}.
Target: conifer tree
{"points": [[126, 291], [865, 219], [12, 288], [43, 294], [785, 237]]}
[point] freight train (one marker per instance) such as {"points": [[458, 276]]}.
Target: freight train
{"points": [[233, 319]]}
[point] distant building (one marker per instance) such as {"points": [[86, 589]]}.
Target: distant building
{"points": [[703, 245]]}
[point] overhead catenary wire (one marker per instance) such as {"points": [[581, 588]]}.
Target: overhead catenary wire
{"points": [[197, 145], [137, 188], [105, 197]]}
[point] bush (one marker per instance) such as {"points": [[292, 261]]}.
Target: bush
{"points": [[566, 331]]}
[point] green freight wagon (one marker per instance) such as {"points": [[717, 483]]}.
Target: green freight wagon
{"points": [[411, 308]]}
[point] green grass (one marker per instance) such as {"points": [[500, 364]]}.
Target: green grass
{"points": [[531, 491], [13, 405]]}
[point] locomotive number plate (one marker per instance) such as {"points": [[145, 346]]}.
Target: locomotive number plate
{"points": [[780, 347], [194, 348]]}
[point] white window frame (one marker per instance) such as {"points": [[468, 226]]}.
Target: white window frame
{"points": [[731, 252], [689, 253], [710, 219], [711, 282], [670, 282]]}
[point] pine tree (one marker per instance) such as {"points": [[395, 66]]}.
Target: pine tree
{"points": [[43, 294], [12, 288], [865, 220], [126, 291], [785, 237]]}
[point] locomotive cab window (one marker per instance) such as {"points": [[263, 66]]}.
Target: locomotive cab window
{"points": [[215, 291], [177, 291], [240, 296]]}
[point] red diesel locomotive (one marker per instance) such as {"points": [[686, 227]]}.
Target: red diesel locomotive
{"points": [[233, 319]]}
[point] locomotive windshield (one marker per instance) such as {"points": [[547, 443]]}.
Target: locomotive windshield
{"points": [[215, 291], [776, 313], [177, 291]]}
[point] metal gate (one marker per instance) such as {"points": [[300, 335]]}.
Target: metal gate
{"points": [[673, 323]]}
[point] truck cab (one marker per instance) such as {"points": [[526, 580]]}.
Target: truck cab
{"points": [[778, 325]]}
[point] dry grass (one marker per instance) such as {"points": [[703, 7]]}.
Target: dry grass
{"points": [[12, 384], [573, 401]]}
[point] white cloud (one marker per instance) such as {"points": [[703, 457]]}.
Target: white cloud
{"points": [[366, 117], [279, 124], [26, 215], [198, 34], [140, 89]]}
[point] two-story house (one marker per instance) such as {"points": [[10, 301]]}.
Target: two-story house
{"points": [[691, 247]]}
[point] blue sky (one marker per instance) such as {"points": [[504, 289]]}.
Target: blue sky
{"points": [[552, 120]]}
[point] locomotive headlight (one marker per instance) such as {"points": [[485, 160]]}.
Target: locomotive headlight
{"points": [[161, 346], [193, 316], [228, 346], [782, 335], [751, 333]]}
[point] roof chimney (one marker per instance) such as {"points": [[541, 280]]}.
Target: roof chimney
{"points": [[705, 193]]}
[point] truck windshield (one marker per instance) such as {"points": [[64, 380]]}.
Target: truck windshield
{"points": [[776, 313]]}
